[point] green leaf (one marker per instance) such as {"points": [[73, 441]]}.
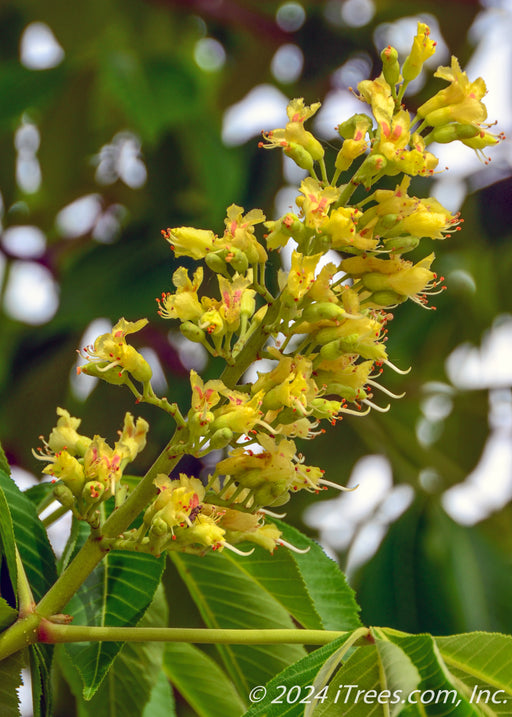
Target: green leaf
{"points": [[7, 542], [161, 701], [7, 614], [31, 538], [201, 682], [4, 463], [227, 596], [400, 674], [327, 586], [435, 677], [130, 680], [302, 673], [116, 593], [40, 666], [10, 680], [310, 586], [483, 661]]}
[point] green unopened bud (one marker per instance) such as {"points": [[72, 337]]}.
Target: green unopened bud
{"points": [[390, 65], [159, 527], [323, 310], [63, 494], [221, 438], [238, 260], [331, 351], [349, 393], [216, 263], [372, 166], [192, 332], [387, 298], [387, 221], [111, 375], [300, 156], [350, 344], [401, 245], [272, 494], [452, 132], [374, 281], [357, 122]]}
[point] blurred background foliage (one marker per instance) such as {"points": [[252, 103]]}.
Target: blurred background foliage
{"points": [[117, 120]]}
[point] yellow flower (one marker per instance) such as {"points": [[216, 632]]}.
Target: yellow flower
{"points": [[187, 241], [240, 414], [111, 350], [355, 143], [132, 439], [239, 233], [176, 500], [294, 132], [459, 102], [316, 201], [422, 48], [302, 274], [341, 224], [65, 436], [377, 93], [68, 469], [397, 214], [236, 299], [184, 304]]}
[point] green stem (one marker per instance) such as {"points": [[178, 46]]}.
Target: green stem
{"points": [[252, 348], [58, 513], [52, 632]]}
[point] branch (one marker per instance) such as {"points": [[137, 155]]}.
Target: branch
{"points": [[53, 633]]}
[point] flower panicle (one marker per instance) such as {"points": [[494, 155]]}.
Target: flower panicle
{"points": [[322, 325]]}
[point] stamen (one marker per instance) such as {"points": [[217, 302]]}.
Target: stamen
{"points": [[342, 488], [108, 366], [291, 547], [236, 550], [385, 390], [271, 513], [396, 369], [351, 412], [379, 409]]}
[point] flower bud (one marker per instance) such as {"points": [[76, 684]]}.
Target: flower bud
{"points": [[331, 350], [372, 166], [111, 375], [215, 262], [323, 310], [192, 332], [374, 281], [390, 65], [221, 438], [300, 156], [452, 132], [238, 260], [63, 494], [401, 245], [387, 298]]}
